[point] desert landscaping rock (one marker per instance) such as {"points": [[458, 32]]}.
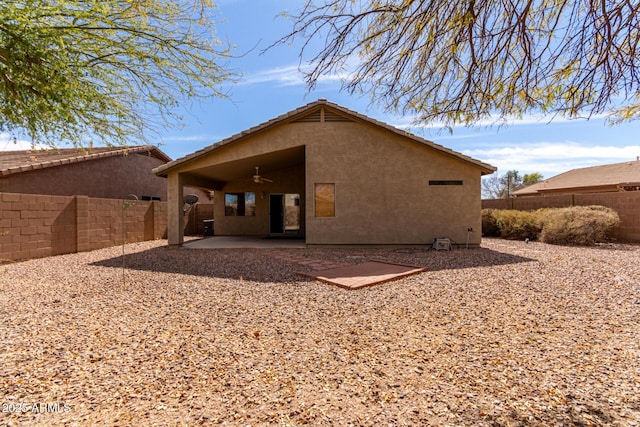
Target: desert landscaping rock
{"points": [[508, 334]]}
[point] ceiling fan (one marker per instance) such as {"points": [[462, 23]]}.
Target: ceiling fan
{"points": [[260, 179]]}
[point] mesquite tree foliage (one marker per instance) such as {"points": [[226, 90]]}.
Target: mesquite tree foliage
{"points": [[109, 71], [463, 61]]}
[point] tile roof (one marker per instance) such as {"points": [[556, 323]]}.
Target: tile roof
{"points": [[612, 175], [12, 162], [304, 110]]}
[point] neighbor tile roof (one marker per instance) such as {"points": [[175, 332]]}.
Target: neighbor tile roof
{"points": [[306, 109], [612, 175], [21, 161]]}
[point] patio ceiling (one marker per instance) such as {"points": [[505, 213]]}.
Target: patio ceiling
{"points": [[218, 174]]}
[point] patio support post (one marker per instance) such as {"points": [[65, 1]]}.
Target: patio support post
{"points": [[175, 215]]}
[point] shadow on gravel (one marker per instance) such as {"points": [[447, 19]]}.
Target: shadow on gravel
{"points": [[271, 265], [238, 264], [464, 258]]}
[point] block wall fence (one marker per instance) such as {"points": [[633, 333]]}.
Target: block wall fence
{"points": [[627, 204], [35, 226]]}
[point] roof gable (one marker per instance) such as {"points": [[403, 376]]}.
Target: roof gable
{"points": [[12, 162], [320, 111]]}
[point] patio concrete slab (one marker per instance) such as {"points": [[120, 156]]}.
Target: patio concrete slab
{"points": [[365, 274], [241, 242]]}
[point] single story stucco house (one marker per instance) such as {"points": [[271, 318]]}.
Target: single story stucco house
{"points": [[334, 177]]}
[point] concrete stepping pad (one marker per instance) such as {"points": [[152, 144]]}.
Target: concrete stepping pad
{"points": [[366, 274]]}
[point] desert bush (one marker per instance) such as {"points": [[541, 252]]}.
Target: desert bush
{"points": [[578, 225], [516, 225], [489, 226]]}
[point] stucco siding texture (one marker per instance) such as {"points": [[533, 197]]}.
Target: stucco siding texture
{"points": [[381, 182], [111, 177], [264, 142], [382, 189]]}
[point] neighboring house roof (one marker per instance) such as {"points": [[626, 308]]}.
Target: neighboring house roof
{"points": [[308, 110], [12, 162], [613, 177]]}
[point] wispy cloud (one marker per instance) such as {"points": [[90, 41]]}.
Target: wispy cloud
{"points": [[411, 122], [192, 138], [551, 158], [282, 76], [290, 75]]}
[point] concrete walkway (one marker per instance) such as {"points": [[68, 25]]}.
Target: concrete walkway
{"points": [[363, 275], [235, 242]]}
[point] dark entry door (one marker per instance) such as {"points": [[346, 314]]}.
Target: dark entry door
{"points": [[276, 213]]}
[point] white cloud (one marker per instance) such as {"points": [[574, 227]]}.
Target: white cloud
{"points": [[8, 143], [552, 158]]}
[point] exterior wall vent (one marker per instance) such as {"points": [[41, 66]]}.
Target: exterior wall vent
{"points": [[322, 115], [330, 116], [314, 117]]}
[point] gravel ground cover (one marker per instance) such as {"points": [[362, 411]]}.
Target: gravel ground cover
{"points": [[508, 334]]}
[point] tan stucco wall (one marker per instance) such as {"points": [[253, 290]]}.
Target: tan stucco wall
{"points": [[264, 142], [382, 185], [113, 177], [382, 190], [175, 205]]}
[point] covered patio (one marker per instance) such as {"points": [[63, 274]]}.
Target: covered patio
{"points": [[256, 196]]}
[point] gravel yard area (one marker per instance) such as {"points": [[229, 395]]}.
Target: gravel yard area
{"points": [[508, 334]]}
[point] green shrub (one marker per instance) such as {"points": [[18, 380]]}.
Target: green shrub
{"points": [[489, 226], [578, 225], [516, 225]]}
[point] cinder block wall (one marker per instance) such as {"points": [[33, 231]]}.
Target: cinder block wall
{"points": [[194, 225], [34, 226], [530, 203], [105, 218], [626, 203]]}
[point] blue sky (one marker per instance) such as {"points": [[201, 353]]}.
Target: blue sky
{"points": [[271, 85]]}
